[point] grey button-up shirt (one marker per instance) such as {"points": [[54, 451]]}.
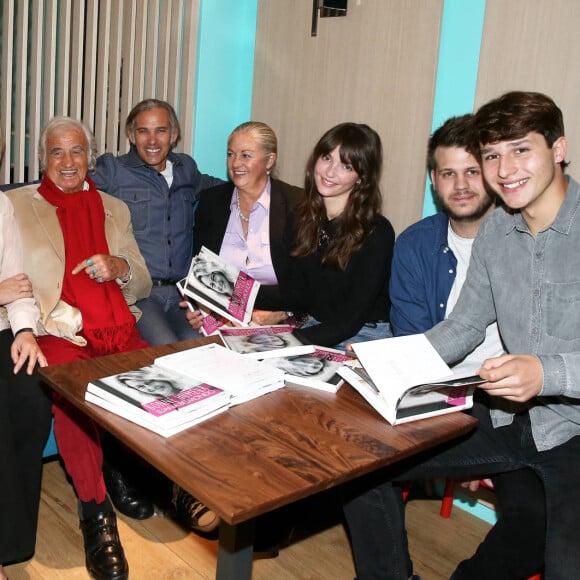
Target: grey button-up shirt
{"points": [[531, 286]]}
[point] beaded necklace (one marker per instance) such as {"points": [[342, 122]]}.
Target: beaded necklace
{"points": [[242, 216]]}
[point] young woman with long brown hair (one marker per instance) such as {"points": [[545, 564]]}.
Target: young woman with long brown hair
{"points": [[340, 243]]}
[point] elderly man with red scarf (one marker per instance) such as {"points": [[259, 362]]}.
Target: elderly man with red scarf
{"points": [[87, 273]]}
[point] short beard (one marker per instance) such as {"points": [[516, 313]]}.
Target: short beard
{"points": [[477, 214]]}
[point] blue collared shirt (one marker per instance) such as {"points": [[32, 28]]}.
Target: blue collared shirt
{"points": [[162, 216], [422, 274], [531, 286]]}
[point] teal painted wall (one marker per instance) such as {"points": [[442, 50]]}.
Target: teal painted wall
{"points": [[225, 71], [225, 62], [461, 31]]}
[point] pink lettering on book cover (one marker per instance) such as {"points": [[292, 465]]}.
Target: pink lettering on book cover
{"points": [[212, 323], [332, 356], [254, 330], [457, 395], [241, 296], [180, 400]]}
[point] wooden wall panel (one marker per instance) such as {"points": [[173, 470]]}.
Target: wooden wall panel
{"points": [[377, 65], [534, 46]]}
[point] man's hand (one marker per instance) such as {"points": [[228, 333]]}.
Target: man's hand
{"points": [[13, 288], [103, 268], [25, 347], [516, 377]]}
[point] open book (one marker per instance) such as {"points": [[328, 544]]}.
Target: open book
{"points": [[220, 287], [404, 379], [160, 400]]}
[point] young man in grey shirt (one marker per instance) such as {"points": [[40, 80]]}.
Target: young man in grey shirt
{"points": [[525, 274]]}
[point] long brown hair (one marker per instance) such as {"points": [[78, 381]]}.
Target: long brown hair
{"points": [[360, 146]]}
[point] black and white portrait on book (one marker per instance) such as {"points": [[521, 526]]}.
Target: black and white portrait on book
{"points": [[149, 383], [214, 280], [305, 365], [253, 340]]}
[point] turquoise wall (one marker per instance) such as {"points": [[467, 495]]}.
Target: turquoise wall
{"points": [[461, 30], [225, 69], [225, 62]]}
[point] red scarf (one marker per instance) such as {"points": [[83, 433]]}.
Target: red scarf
{"points": [[107, 320]]}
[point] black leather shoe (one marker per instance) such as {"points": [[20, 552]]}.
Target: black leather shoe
{"points": [[105, 559], [125, 497]]}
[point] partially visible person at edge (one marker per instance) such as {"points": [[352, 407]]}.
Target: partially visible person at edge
{"points": [[429, 267], [161, 188], [243, 221], [524, 274], [341, 245], [24, 406], [87, 273]]}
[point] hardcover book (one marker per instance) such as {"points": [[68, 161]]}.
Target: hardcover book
{"points": [[317, 369], [264, 341], [220, 287], [160, 400], [242, 377], [405, 379], [212, 322]]}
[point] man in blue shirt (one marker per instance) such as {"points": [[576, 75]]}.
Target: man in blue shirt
{"points": [[161, 188], [524, 275], [432, 255]]}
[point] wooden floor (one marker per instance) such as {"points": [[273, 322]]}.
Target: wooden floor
{"points": [[160, 548]]}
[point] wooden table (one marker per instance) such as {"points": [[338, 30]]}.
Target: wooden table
{"points": [[263, 454]]}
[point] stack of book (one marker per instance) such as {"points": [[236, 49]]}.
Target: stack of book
{"points": [[303, 364], [185, 388], [242, 377], [159, 400]]}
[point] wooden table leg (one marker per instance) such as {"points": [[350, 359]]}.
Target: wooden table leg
{"points": [[235, 551]]}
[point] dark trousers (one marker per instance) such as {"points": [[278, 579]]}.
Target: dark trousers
{"points": [[24, 427], [539, 495]]}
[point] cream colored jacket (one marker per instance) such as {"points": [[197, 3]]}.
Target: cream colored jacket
{"points": [[43, 248]]}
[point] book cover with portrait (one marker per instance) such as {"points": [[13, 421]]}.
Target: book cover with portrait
{"points": [[220, 287], [155, 396], [264, 341], [317, 369]]}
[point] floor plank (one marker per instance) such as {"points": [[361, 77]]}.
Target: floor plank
{"points": [[161, 548]]}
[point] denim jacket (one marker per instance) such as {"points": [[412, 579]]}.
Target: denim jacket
{"points": [[162, 217], [531, 286], [422, 274]]}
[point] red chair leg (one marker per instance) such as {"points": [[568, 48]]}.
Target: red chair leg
{"points": [[447, 501], [405, 488]]}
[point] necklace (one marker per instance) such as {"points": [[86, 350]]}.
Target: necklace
{"points": [[242, 216]]}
